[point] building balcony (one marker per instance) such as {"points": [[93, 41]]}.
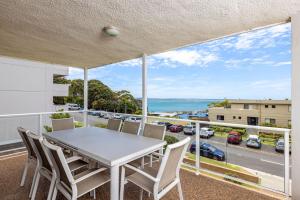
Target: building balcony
{"points": [[60, 90]]}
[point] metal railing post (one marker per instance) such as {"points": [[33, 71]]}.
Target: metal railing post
{"points": [[85, 98], [287, 163], [40, 124], [197, 148]]}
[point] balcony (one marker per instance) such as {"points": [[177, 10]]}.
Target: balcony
{"points": [[60, 90], [75, 34], [235, 177], [194, 187]]}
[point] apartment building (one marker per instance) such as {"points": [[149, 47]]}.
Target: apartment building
{"points": [[27, 87], [253, 112]]}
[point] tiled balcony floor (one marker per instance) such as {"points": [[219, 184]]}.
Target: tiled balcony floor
{"points": [[194, 187]]}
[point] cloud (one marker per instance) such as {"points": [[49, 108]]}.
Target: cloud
{"points": [[262, 38], [279, 85], [75, 73], [283, 63], [188, 57]]}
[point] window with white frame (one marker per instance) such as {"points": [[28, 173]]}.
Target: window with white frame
{"points": [[270, 121]]}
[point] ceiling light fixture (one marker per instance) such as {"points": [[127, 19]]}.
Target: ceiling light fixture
{"points": [[111, 31]]}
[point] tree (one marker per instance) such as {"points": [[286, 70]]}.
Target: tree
{"points": [[101, 97], [224, 103]]}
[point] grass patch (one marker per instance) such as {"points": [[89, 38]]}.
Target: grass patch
{"points": [[100, 125]]}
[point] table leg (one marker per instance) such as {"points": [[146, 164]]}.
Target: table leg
{"points": [[114, 183]]}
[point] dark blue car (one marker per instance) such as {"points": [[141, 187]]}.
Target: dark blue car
{"points": [[209, 151]]}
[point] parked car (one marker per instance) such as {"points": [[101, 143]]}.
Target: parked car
{"points": [[279, 146], [253, 141], [117, 116], [134, 119], [209, 151], [93, 113], [73, 106], [107, 116], [189, 130], [101, 115], [206, 132], [234, 137], [176, 128]]}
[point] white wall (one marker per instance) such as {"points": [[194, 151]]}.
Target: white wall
{"points": [[26, 87], [296, 107]]}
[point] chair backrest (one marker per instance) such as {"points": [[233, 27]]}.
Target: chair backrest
{"points": [[62, 124], [170, 165], [114, 124], [154, 131], [23, 135], [36, 142], [60, 165], [131, 127]]}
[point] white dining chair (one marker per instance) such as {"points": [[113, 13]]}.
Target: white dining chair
{"points": [[158, 181]]}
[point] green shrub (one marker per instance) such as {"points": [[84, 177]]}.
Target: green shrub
{"points": [[60, 115], [225, 129], [100, 125], [170, 140], [48, 129]]}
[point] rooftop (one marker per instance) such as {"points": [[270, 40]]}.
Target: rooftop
{"points": [[266, 101]]}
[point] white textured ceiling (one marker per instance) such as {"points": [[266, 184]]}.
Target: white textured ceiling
{"points": [[69, 32]]}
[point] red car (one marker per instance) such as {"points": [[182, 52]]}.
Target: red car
{"points": [[176, 128], [234, 137]]}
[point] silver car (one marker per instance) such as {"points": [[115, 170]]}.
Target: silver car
{"points": [[189, 130], [279, 147], [253, 141]]}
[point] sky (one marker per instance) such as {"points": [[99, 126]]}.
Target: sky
{"points": [[253, 65]]}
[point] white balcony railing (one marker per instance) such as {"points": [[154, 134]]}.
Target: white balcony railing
{"points": [[43, 119]]}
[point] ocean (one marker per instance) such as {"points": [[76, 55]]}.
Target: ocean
{"points": [[173, 105]]}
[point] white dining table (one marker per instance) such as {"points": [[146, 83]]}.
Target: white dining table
{"points": [[111, 148]]}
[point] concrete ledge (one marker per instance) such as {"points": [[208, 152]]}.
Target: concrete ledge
{"points": [[226, 171]]}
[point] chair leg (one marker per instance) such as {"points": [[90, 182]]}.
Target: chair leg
{"points": [[141, 194], [122, 184], [25, 173], [36, 184], [33, 180], [93, 193], [51, 189], [180, 191], [151, 160], [54, 193]]}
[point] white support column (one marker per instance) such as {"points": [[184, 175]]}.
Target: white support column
{"points": [[197, 148], [144, 89], [85, 97], [287, 163], [295, 106]]}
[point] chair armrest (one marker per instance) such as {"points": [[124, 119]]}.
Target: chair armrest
{"points": [[73, 158], [90, 174], [141, 172]]}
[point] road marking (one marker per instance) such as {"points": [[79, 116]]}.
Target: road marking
{"points": [[272, 162]]}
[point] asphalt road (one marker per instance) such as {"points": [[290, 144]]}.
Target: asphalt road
{"points": [[264, 159]]}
